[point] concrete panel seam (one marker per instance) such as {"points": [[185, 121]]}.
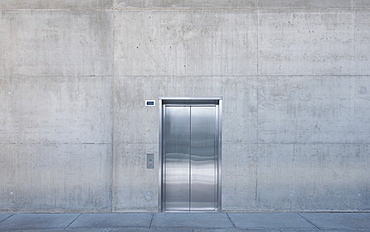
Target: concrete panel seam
{"points": [[113, 86], [309, 221], [282, 143], [151, 221], [227, 214], [256, 184], [133, 9], [243, 75], [181, 9], [258, 50], [55, 9], [48, 143], [134, 143], [292, 9], [257, 103], [72, 221], [60, 76], [188, 76], [7, 217]]}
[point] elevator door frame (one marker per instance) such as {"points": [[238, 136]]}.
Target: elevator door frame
{"points": [[190, 102]]}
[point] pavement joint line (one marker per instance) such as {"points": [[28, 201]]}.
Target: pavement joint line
{"points": [[227, 214], [7, 218], [72, 221], [151, 221], [309, 221]]}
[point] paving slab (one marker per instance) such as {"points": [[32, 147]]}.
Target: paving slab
{"points": [[289, 230], [4, 216], [37, 221], [270, 221], [113, 220], [113, 230], [76, 230], [339, 221], [235, 230], [152, 230], [191, 220]]}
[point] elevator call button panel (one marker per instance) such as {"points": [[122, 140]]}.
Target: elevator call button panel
{"points": [[150, 161]]}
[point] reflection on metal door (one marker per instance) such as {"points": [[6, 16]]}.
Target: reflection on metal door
{"points": [[190, 154]]}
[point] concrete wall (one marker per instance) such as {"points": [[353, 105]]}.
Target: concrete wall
{"points": [[56, 107], [74, 75]]}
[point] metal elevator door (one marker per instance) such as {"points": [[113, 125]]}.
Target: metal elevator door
{"points": [[190, 157]]}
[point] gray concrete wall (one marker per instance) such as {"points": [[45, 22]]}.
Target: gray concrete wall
{"points": [[56, 107], [294, 75]]}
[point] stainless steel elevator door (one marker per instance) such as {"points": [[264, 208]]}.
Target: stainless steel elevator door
{"points": [[190, 158]]}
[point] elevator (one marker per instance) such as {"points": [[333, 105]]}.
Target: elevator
{"points": [[190, 154]]}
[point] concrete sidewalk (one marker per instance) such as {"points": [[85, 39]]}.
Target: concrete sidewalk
{"points": [[186, 222]]}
